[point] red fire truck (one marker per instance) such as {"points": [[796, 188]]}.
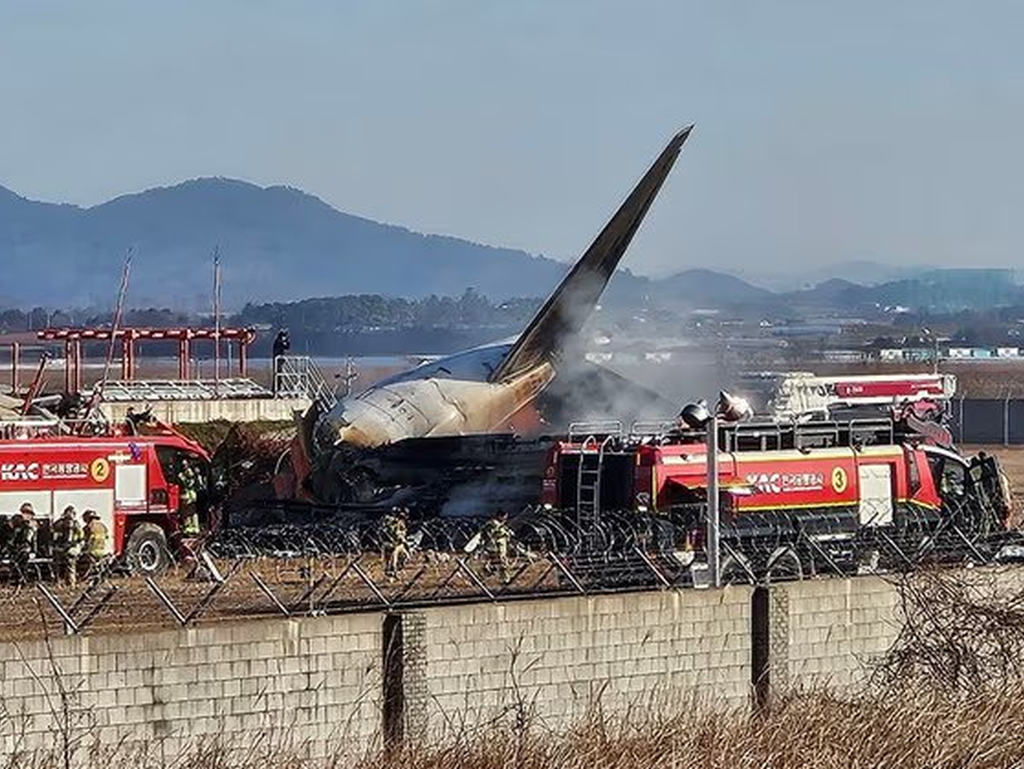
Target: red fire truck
{"points": [[131, 481], [825, 484]]}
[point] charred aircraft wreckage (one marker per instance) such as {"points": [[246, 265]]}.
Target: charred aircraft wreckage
{"points": [[427, 436]]}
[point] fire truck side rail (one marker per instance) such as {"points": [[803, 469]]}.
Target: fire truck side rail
{"points": [[652, 426], [24, 428], [578, 430], [767, 435]]}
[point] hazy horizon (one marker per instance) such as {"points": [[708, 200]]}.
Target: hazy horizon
{"points": [[826, 133]]}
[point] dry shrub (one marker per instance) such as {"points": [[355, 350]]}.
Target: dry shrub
{"points": [[962, 633]]}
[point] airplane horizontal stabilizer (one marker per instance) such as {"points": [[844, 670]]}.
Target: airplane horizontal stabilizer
{"points": [[568, 308]]}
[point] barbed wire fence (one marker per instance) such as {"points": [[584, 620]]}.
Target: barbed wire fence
{"points": [[342, 566]]}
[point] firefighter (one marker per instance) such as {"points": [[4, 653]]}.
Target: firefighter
{"points": [[189, 480], [497, 536], [129, 422], [67, 547], [394, 531], [95, 534], [23, 540], [282, 344], [6, 532], [134, 420]]}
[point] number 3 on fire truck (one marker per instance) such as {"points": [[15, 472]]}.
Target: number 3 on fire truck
{"points": [[99, 470], [838, 480]]}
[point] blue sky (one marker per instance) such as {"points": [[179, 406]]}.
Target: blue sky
{"points": [[826, 131]]}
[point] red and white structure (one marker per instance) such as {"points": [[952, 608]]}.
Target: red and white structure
{"points": [[795, 394], [73, 339]]}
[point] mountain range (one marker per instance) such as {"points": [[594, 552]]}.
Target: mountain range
{"points": [[280, 244], [277, 242]]}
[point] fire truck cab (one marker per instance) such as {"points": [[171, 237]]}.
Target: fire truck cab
{"points": [[135, 484]]}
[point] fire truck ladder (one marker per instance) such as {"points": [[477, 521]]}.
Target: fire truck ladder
{"points": [[588, 481]]}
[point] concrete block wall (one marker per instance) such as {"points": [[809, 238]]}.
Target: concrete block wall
{"points": [[318, 683], [826, 632], [558, 658], [313, 683]]}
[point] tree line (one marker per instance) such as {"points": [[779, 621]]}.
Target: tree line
{"points": [[371, 312], [352, 313]]}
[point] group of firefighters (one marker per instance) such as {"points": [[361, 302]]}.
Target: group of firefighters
{"points": [[74, 547], [495, 536]]}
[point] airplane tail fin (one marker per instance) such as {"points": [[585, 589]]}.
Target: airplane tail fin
{"points": [[566, 310]]}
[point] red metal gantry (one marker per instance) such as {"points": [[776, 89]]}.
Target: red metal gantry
{"points": [[73, 338]]}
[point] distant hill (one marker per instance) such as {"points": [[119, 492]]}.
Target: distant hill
{"points": [[836, 293], [707, 288], [278, 243], [281, 244], [949, 290], [864, 272]]}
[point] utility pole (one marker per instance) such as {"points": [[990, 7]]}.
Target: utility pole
{"points": [[935, 348], [216, 320], [713, 538]]}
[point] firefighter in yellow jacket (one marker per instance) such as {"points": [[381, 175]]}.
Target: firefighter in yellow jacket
{"points": [[497, 538], [190, 481], [393, 536], [95, 550]]}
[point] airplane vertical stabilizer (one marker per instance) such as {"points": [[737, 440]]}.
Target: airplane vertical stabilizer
{"points": [[568, 308]]}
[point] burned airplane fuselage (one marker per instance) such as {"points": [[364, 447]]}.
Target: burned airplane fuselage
{"points": [[449, 396], [350, 444], [478, 390]]}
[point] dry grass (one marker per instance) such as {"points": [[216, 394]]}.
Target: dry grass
{"points": [[801, 731]]}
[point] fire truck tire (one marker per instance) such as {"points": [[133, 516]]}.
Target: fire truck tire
{"points": [[146, 551], [784, 564]]}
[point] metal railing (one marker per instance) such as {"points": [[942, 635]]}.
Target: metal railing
{"points": [[146, 390], [602, 428], [19, 429], [25, 428], [298, 376]]}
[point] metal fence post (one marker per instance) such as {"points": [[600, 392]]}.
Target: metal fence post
{"points": [[713, 544], [15, 360], [1006, 419]]}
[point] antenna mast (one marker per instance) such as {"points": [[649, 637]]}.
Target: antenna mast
{"points": [[216, 319], [115, 326]]}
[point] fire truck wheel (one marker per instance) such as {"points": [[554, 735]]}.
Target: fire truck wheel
{"points": [[146, 551], [784, 564]]}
